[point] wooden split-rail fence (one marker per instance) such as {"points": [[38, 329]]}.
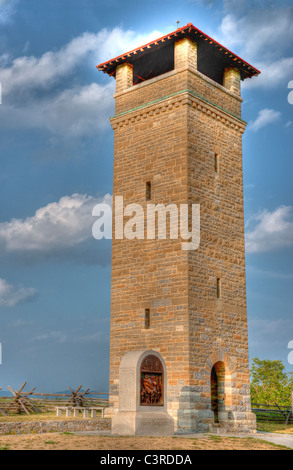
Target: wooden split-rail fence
{"points": [[273, 413], [23, 402]]}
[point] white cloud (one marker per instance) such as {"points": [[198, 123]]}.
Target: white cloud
{"points": [[79, 112], [265, 117], [7, 9], [272, 230], [11, 296], [54, 230], [24, 74], [73, 113], [29, 85], [263, 32], [261, 39], [273, 74]]}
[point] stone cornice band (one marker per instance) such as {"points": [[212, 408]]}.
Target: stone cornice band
{"points": [[181, 98]]}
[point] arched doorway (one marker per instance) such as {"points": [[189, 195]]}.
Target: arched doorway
{"points": [[218, 389]]}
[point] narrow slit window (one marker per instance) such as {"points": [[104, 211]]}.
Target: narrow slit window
{"points": [[147, 319], [148, 191], [217, 163], [219, 288]]}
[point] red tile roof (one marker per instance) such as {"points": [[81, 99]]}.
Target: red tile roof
{"points": [[230, 59]]}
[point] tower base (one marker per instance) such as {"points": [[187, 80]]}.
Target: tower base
{"points": [[235, 423], [136, 423]]}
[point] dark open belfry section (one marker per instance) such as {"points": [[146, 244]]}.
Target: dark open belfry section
{"points": [[151, 65], [160, 61], [157, 57], [210, 63]]}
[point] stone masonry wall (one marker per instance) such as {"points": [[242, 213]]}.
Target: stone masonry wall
{"points": [[175, 82], [40, 427], [150, 274], [217, 325]]}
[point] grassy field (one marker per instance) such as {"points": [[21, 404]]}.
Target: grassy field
{"points": [[69, 441], [267, 426]]}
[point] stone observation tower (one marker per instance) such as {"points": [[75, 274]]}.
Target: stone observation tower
{"points": [[179, 346]]}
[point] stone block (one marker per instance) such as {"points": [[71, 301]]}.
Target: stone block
{"points": [[127, 423]]}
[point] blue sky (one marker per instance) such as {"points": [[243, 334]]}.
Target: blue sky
{"points": [[56, 151]]}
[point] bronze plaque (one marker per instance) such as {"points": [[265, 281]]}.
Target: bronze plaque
{"points": [[152, 382]]}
